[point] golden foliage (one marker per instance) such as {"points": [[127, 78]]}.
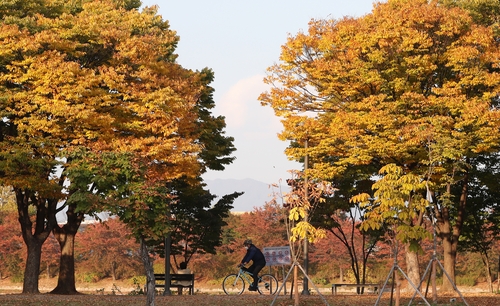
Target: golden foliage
{"points": [[104, 78], [413, 84], [301, 200], [383, 85]]}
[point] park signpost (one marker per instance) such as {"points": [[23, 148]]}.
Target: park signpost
{"points": [[277, 256]]}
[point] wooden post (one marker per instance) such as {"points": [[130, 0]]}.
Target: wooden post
{"points": [[296, 285], [168, 240], [433, 280]]}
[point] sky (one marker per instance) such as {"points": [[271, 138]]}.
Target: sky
{"points": [[239, 40]]}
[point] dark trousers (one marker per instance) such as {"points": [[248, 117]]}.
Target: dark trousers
{"points": [[255, 269]]}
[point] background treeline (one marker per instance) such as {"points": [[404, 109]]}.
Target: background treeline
{"points": [[107, 251]]}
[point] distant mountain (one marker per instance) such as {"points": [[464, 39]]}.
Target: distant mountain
{"points": [[256, 193]]}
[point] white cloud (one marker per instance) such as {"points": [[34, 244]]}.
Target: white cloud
{"points": [[241, 107], [260, 154]]}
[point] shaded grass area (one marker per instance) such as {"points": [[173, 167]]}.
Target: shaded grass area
{"points": [[223, 300]]}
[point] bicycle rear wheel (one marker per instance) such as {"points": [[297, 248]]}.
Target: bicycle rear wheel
{"points": [[268, 284], [233, 284]]}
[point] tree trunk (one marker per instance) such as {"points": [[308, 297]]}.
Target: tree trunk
{"points": [[65, 235], [413, 268], [66, 279], [296, 286], [450, 256], [488, 276], [150, 277], [113, 270], [34, 234], [32, 270], [498, 274], [433, 281], [449, 233], [397, 295], [486, 262]]}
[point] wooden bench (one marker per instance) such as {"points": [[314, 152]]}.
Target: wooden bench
{"points": [[372, 286], [174, 279]]}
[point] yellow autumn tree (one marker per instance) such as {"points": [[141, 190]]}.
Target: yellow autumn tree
{"points": [[99, 76], [414, 83]]}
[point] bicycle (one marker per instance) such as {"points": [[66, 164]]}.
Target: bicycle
{"points": [[234, 283]]}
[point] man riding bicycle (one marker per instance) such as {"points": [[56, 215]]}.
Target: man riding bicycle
{"points": [[258, 262]]}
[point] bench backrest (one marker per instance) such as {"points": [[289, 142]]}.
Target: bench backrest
{"points": [[176, 277], [182, 277]]}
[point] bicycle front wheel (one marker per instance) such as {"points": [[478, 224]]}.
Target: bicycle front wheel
{"points": [[233, 284], [268, 284]]}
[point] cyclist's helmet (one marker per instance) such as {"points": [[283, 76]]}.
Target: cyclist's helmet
{"points": [[247, 242]]}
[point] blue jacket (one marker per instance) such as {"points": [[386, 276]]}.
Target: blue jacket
{"points": [[255, 255]]}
